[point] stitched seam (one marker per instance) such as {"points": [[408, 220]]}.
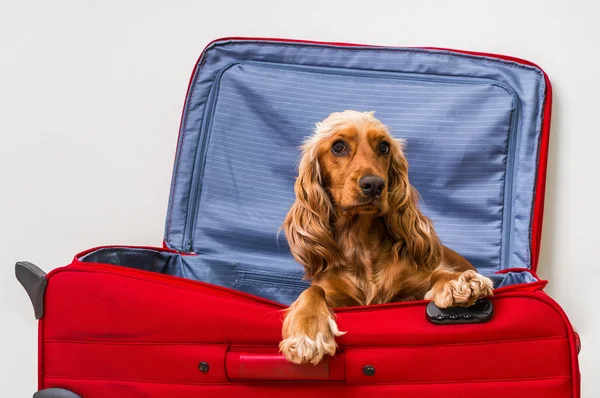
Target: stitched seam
{"points": [[540, 131], [280, 286], [434, 53], [343, 346], [225, 382], [189, 95]]}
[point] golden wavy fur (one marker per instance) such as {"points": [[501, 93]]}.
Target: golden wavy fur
{"points": [[357, 229]]}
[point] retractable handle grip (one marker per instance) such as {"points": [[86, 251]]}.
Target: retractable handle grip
{"points": [[248, 366]]}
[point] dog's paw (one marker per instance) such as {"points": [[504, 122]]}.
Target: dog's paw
{"points": [[302, 348], [462, 291], [309, 339]]}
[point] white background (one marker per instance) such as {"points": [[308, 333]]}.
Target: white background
{"points": [[91, 94]]}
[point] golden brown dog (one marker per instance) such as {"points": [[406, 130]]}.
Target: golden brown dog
{"points": [[357, 229]]}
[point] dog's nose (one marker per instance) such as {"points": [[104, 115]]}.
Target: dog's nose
{"points": [[372, 185]]}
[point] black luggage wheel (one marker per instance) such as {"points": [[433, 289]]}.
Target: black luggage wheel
{"points": [[55, 393], [480, 312]]}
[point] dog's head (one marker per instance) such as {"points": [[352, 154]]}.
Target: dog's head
{"points": [[352, 166], [357, 158]]}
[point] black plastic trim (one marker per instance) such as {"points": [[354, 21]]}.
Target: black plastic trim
{"points": [[480, 312], [34, 281]]}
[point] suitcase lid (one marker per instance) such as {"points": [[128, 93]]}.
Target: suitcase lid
{"points": [[476, 128]]}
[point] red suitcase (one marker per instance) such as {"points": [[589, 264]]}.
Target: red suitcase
{"points": [[202, 315]]}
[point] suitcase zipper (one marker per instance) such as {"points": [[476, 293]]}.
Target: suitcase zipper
{"points": [[198, 172], [263, 278], [200, 158]]}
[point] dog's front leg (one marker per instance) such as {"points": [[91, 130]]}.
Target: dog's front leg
{"points": [[457, 288], [309, 328]]}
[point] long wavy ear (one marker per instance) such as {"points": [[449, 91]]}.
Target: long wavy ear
{"points": [[308, 223], [416, 239]]}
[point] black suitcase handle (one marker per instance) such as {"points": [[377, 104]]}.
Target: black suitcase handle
{"points": [[34, 281]]}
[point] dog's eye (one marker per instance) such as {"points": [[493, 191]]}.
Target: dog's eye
{"points": [[384, 148], [338, 148]]}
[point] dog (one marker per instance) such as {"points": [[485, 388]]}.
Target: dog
{"points": [[357, 229]]}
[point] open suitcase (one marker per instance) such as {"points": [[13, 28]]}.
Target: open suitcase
{"points": [[201, 317]]}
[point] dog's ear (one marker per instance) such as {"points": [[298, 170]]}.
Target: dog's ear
{"points": [[414, 235], [307, 225]]}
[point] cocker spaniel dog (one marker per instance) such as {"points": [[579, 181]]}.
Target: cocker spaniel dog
{"points": [[357, 229]]}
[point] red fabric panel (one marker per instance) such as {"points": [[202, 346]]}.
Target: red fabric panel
{"points": [[178, 363], [99, 306], [535, 388], [144, 331], [543, 358], [172, 363], [127, 305], [40, 353], [337, 366]]}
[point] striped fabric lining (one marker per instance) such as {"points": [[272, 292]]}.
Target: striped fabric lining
{"points": [[248, 113]]}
